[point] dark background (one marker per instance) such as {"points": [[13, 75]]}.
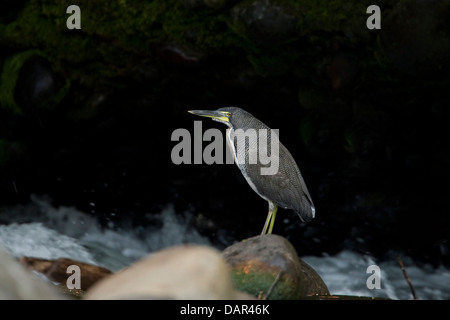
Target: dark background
{"points": [[87, 115]]}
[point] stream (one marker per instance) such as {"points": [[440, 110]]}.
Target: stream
{"points": [[41, 230]]}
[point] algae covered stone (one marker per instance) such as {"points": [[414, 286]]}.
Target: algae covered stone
{"points": [[267, 266]]}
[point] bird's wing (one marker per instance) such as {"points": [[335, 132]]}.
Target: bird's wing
{"points": [[287, 187]]}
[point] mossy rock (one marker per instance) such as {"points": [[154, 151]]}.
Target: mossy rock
{"points": [[12, 76], [8, 79], [268, 267]]}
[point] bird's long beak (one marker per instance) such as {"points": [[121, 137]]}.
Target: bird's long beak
{"points": [[221, 116]]}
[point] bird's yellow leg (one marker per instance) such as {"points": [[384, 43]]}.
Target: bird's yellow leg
{"points": [[266, 224], [270, 220]]}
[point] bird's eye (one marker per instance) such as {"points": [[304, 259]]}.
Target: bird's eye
{"points": [[228, 114]]}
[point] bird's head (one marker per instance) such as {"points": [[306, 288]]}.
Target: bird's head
{"points": [[223, 115]]}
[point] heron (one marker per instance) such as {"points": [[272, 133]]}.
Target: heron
{"points": [[284, 188]]}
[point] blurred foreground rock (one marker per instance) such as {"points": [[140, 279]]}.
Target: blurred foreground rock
{"points": [[18, 284], [182, 272], [268, 267]]}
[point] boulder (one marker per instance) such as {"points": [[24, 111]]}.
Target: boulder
{"points": [[57, 270], [189, 272], [16, 283], [267, 266], [28, 82], [265, 21]]}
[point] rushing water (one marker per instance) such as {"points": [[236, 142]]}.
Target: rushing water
{"points": [[41, 230]]}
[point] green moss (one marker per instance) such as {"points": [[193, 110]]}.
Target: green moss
{"points": [[319, 15], [258, 284], [116, 35], [113, 33], [8, 79], [329, 15], [54, 100]]}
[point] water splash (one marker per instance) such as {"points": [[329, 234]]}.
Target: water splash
{"points": [[36, 240], [345, 274], [44, 231]]}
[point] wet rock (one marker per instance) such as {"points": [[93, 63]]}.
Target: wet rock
{"points": [[415, 36], [267, 266], [180, 55], [182, 272], [38, 85], [37, 264], [56, 270], [16, 283], [27, 81], [264, 21]]}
